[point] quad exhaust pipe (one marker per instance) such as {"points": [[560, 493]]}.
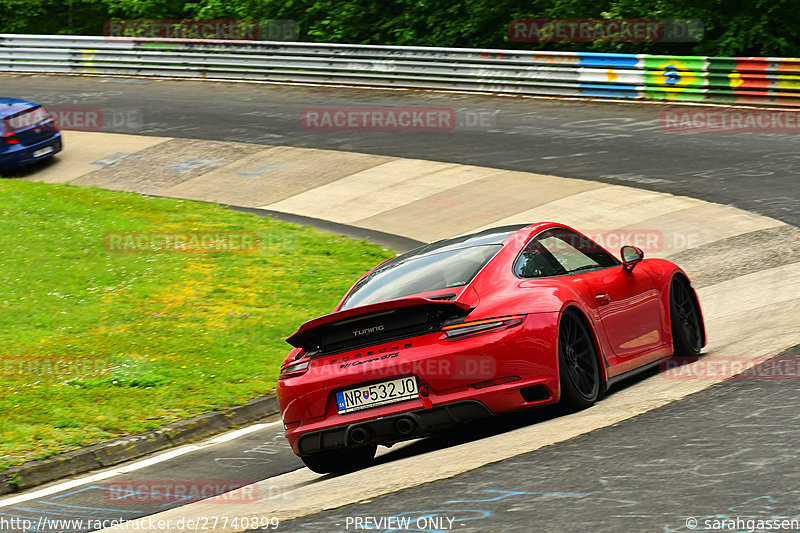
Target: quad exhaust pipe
{"points": [[404, 426], [358, 436]]}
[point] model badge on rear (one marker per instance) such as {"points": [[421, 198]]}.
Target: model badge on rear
{"points": [[367, 331]]}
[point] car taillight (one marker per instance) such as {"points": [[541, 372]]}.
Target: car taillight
{"points": [[294, 369], [482, 326], [9, 138]]}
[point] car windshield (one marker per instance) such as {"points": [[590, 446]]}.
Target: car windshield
{"points": [[24, 120], [442, 270]]}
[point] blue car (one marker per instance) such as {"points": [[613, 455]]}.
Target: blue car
{"points": [[27, 134]]}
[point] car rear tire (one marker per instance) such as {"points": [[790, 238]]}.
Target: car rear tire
{"points": [[687, 330], [340, 461], [577, 364]]}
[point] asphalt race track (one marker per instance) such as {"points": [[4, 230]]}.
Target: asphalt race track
{"points": [[724, 453], [721, 453], [114, 494], [617, 143]]}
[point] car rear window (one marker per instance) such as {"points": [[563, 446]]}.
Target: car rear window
{"points": [[24, 120], [442, 270]]}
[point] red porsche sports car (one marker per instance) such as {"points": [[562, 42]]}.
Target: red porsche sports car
{"points": [[508, 318]]}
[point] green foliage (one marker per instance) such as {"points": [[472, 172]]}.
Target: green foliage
{"points": [[13, 479], [95, 344], [733, 27]]}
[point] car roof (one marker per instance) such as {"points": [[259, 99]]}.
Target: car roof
{"points": [[488, 236], [12, 106]]}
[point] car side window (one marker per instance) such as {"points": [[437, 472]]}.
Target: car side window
{"points": [[558, 252]]}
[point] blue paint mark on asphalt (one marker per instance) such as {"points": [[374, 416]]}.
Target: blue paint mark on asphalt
{"points": [[88, 508], [507, 493], [43, 509]]}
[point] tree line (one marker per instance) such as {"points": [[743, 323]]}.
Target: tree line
{"points": [[730, 27]]}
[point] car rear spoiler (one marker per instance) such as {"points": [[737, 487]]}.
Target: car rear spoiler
{"points": [[373, 323]]}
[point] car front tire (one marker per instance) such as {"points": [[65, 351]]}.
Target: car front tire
{"points": [[687, 327]]}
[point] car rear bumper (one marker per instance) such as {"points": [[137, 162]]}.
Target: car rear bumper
{"points": [[19, 155], [447, 411], [394, 428]]}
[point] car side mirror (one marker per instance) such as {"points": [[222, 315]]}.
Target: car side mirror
{"points": [[630, 256]]}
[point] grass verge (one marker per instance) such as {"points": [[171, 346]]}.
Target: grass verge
{"points": [[95, 344]]}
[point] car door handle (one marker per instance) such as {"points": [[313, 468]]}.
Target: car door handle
{"points": [[602, 298]]}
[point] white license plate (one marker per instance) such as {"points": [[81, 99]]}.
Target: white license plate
{"points": [[366, 396], [43, 151]]}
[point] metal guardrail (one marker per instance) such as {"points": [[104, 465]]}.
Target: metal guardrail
{"points": [[732, 80]]}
